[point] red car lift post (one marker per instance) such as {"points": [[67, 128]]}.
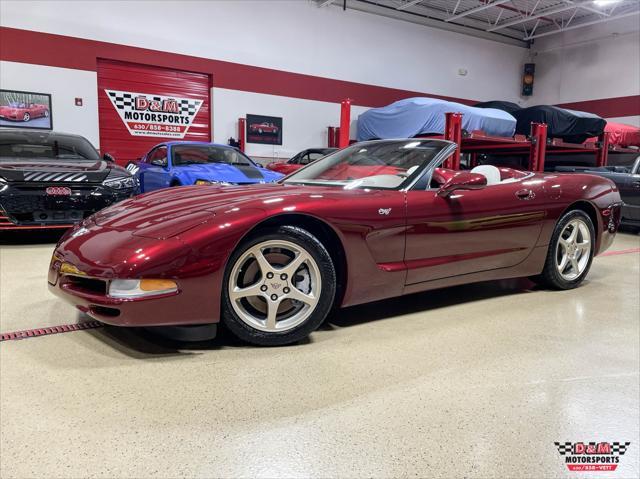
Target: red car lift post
{"points": [[345, 120], [602, 154], [538, 148], [453, 132], [242, 122]]}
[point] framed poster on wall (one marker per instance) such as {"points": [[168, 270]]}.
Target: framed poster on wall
{"points": [[25, 109], [266, 130]]}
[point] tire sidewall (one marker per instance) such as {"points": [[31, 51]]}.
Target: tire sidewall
{"points": [[551, 271], [322, 258]]}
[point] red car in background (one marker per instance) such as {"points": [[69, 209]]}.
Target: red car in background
{"points": [[19, 111], [301, 159], [263, 127]]}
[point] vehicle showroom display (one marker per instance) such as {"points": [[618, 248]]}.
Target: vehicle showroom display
{"points": [[374, 220], [264, 129], [197, 163], [52, 179], [299, 160], [23, 109]]}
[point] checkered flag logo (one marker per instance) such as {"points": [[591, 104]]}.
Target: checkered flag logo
{"points": [[120, 100], [163, 116], [564, 448], [619, 448]]}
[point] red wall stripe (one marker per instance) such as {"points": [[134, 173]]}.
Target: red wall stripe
{"points": [[608, 107], [25, 46]]}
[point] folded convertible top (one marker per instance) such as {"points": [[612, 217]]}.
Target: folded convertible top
{"points": [[422, 116], [569, 125]]}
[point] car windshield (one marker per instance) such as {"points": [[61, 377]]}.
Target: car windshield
{"points": [[45, 146], [377, 164], [204, 154]]}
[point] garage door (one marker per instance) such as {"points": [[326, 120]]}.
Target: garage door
{"points": [[140, 106]]}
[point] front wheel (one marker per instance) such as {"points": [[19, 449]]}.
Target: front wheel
{"points": [[26, 117], [570, 252], [278, 287]]}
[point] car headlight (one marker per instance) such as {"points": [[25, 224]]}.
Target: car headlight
{"points": [[207, 182], [3, 184], [122, 183], [138, 288]]}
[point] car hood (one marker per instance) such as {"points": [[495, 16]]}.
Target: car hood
{"points": [[169, 212], [241, 174], [20, 169]]}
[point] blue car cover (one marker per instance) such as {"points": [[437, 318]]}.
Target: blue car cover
{"points": [[422, 116]]}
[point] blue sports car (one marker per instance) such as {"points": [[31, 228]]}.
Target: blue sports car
{"points": [[196, 163]]}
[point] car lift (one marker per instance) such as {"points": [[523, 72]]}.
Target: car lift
{"points": [[536, 145]]}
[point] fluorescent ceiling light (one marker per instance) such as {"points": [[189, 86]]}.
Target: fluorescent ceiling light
{"points": [[605, 3]]}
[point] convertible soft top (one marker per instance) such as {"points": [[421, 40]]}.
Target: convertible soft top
{"points": [[568, 125], [423, 116]]}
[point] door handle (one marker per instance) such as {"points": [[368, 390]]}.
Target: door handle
{"points": [[525, 194]]}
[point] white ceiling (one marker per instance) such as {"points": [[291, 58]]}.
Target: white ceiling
{"points": [[510, 21]]}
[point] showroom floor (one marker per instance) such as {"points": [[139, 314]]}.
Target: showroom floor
{"points": [[474, 381]]}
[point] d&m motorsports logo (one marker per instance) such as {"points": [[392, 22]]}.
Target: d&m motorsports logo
{"points": [[592, 456], [154, 115]]}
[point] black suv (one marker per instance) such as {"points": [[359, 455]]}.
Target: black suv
{"points": [[50, 179]]}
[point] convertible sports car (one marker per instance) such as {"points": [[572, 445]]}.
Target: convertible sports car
{"points": [[375, 220], [23, 111], [197, 163], [301, 159], [53, 180]]}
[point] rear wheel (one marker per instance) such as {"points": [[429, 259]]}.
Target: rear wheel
{"points": [[26, 117], [278, 287], [570, 252]]}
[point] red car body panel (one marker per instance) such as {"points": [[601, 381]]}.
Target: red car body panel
{"points": [[395, 242], [283, 167], [34, 110], [264, 127]]}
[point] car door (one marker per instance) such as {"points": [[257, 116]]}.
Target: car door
{"points": [[471, 230], [154, 170]]}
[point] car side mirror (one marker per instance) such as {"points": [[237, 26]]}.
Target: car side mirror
{"points": [[462, 180], [109, 158], [159, 162]]}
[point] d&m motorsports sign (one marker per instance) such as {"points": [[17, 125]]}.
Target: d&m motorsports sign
{"points": [[154, 115]]}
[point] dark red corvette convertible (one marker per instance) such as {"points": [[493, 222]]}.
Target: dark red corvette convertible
{"points": [[374, 220]]}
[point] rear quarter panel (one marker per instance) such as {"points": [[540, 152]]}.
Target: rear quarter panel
{"points": [[564, 191]]}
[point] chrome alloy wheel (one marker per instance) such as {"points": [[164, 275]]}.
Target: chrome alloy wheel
{"points": [[573, 249], [274, 286]]}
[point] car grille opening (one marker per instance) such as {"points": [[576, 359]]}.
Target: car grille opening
{"points": [[88, 285], [104, 311]]}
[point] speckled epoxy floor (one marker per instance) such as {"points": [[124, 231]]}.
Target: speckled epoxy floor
{"points": [[474, 381]]}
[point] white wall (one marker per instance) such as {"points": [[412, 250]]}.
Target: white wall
{"points": [[295, 36], [601, 61], [305, 122], [65, 86]]}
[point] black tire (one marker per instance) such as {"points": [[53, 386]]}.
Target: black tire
{"points": [[46, 113], [26, 117], [318, 252], [550, 276]]}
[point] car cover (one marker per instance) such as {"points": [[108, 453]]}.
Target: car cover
{"points": [[507, 106], [569, 125], [621, 134], [422, 116]]}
